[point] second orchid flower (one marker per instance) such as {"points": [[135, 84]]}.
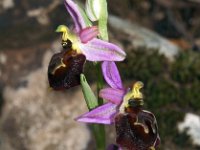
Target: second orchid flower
{"points": [[136, 128]]}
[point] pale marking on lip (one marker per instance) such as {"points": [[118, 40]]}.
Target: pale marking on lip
{"points": [[61, 65]]}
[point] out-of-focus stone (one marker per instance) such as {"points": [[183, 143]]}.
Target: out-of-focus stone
{"points": [[142, 37], [6, 4], [27, 22], [191, 125], [37, 118], [3, 58]]}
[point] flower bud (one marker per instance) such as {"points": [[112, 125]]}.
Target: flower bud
{"points": [[93, 9]]}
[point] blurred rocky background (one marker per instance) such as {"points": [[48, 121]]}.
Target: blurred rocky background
{"points": [[162, 39]]}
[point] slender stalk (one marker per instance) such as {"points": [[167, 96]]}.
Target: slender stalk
{"points": [[99, 130], [100, 82], [99, 134]]}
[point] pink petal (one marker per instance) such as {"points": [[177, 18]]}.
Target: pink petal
{"points": [[73, 10], [103, 114], [87, 34], [111, 75], [99, 50], [113, 95]]}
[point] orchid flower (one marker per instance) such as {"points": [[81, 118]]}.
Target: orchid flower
{"points": [[79, 45], [84, 39], [136, 128]]}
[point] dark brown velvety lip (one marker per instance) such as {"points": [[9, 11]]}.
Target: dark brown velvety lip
{"points": [[65, 68], [136, 129]]}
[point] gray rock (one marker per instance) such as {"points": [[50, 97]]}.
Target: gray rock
{"points": [[36, 118], [142, 37]]}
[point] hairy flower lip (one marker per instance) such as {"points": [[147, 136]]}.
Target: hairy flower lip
{"points": [[137, 129], [64, 68]]}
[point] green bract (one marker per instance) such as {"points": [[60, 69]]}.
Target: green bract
{"points": [[89, 96]]}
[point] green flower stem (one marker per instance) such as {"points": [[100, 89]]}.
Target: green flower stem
{"points": [[99, 135], [100, 82], [102, 24], [98, 129]]}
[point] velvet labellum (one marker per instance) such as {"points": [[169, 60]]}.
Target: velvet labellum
{"points": [[65, 68], [136, 129]]}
